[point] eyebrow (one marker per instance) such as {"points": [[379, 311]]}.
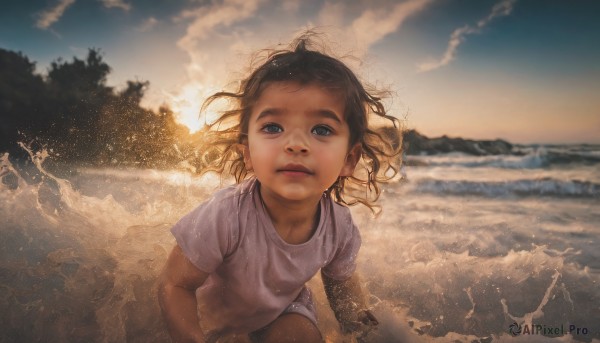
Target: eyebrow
{"points": [[321, 113]]}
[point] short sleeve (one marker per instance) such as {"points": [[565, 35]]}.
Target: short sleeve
{"points": [[343, 264], [206, 234]]}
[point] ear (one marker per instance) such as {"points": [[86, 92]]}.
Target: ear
{"points": [[352, 159], [245, 151]]}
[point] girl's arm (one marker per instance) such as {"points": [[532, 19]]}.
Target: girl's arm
{"points": [[348, 303], [177, 297]]}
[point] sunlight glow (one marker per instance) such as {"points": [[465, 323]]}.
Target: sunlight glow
{"points": [[187, 104]]}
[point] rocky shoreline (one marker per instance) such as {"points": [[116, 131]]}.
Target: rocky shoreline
{"points": [[415, 143]]}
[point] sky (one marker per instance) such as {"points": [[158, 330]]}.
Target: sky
{"points": [[527, 71]]}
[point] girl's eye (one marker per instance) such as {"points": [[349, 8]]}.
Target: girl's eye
{"points": [[322, 130], [272, 128]]}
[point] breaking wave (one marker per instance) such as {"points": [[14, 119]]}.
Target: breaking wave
{"points": [[79, 258], [534, 157], [545, 187]]}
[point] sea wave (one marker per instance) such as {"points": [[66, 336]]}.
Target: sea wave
{"points": [[545, 187], [528, 157]]}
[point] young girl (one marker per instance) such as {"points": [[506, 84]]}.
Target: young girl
{"points": [[299, 128]]}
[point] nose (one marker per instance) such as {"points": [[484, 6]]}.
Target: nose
{"points": [[296, 143]]}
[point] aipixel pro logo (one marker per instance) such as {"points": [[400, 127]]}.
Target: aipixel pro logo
{"points": [[516, 329]]}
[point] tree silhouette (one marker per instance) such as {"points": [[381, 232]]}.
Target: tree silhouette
{"points": [[81, 120], [77, 92], [21, 98]]}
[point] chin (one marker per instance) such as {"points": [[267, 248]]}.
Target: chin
{"points": [[295, 193], [293, 196]]}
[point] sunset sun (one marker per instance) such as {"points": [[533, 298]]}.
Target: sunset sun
{"points": [[188, 103]]}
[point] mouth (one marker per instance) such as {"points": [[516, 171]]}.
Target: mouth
{"points": [[295, 169]]}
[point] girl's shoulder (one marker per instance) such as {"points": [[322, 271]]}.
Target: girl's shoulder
{"points": [[213, 229], [233, 194], [223, 205], [338, 224], [341, 213]]}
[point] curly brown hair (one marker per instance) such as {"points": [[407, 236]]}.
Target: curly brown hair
{"points": [[381, 146]]}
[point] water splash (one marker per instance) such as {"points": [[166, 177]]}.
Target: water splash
{"points": [[528, 318], [79, 259], [82, 267]]}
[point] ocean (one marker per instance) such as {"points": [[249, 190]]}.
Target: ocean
{"points": [[466, 249]]}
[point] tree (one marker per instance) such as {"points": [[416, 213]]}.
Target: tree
{"points": [[77, 91], [74, 114], [84, 76], [21, 99]]}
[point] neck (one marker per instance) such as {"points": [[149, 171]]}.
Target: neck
{"points": [[294, 221]]}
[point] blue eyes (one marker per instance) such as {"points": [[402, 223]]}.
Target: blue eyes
{"points": [[319, 130], [272, 128]]}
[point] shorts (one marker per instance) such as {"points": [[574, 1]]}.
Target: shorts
{"points": [[303, 305]]}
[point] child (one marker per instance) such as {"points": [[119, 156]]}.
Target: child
{"points": [[299, 129]]}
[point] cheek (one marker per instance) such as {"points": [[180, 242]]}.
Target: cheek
{"points": [[259, 152], [332, 154]]}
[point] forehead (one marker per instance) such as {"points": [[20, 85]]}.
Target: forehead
{"points": [[296, 94]]}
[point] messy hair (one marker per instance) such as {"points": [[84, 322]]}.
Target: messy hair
{"points": [[381, 146]]}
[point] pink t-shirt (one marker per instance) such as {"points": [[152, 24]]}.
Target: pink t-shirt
{"points": [[254, 273]]}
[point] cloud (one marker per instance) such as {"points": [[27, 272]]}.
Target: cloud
{"points": [[218, 30], [205, 20], [291, 5], [147, 25], [49, 17], [331, 14], [207, 66], [457, 37], [501, 9], [116, 3], [352, 30], [374, 25]]}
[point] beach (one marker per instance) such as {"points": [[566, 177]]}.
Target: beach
{"points": [[466, 248]]}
